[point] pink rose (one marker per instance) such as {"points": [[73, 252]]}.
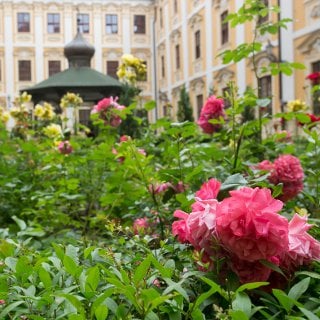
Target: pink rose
{"points": [[106, 109], [287, 170], [303, 248], [179, 227], [212, 109], [248, 271], [140, 225], [209, 190], [65, 147], [249, 226], [124, 138]]}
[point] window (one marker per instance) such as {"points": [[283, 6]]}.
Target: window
{"points": [[177, 49], [315, 67], [139, 26], [23, 22], [83, 22], [197, 44], [175, 6], [145, 78], [224, 28], [24, 67], [84, 117], [53, 22], [161, 18], [163, 69], [199, 104], [111, 24], [265, 91], [261, 19], [112, 68], [54, 66]]}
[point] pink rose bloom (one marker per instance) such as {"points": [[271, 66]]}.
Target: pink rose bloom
{"points": [[197, 228], [179, 187], [179, 227], [303, 248], [209, 190], [140, 225], [250, 271], [212, 109], [65, 147], [124, 138], [159, 188], [287, 170], [265, 165], [105, 108], [249, 226]]}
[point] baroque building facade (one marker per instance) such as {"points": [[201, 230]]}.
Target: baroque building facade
{"points": [[180, 41]]}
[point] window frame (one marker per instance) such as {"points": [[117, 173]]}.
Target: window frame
{"points": [[23, 24], [109, 67], [224, 28], [54, 69], [83, 22], [24, 71], [265, 91], [197, 44], [139, 27], [163, 69], [55, 24], [112, 26], [177, 56]]}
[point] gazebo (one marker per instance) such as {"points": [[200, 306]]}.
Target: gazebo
{"points": [[79, 78]]}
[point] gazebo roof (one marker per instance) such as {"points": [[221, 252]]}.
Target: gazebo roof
{"points": [[90, 84]]}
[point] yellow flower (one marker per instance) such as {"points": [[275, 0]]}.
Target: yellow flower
{"points": [[38, 111], [25, 97], [70, 99], [5, 116], [128, 59], [296, 106], [53, 131]]}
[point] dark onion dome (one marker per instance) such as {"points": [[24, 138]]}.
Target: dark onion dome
{"points": [[79, 52]]}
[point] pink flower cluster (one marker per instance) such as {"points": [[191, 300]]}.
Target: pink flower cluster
{"points": [[244, 230], [212, 109], [161, 188], [107, 109], [65, 147], [286, 169]]}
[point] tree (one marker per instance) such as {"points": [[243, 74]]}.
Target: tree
{"points": [[184, 106]]}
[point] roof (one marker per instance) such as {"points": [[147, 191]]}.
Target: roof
{"points": [[89, 83]]}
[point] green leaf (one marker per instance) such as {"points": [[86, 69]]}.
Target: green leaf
{"points": [[285, 301], [263, 102], [44, 276], [70, 265], [21, 224], [309, 314], [142, 270], [93, 279], [101, 312], [242, 302], [299, 289], [251, 286], [150, 105], [75, 302], [238, 315], [234, 181], [197, 315], [175, 286], [10, 307], [309, 274]]}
